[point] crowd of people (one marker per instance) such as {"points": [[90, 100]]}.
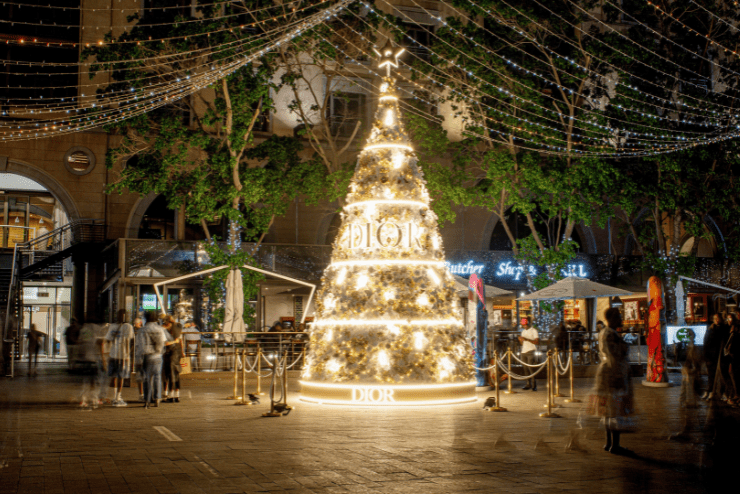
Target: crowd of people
{"points": [[153, 349], [721, 346]]}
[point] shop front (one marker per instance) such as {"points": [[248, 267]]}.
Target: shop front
{"points": [[49, 308]]}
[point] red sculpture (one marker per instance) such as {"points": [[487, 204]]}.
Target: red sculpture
{"points": [[656, 369]]}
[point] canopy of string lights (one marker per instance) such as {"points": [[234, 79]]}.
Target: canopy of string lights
{"points": [[613, 79]]}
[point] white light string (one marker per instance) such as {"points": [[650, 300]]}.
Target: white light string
{"points": [[29, 39], [571, 62], [306, 24], [560, 149], [269, 35], [618, 69], [563, 88], [663, 73], [555, 150]]}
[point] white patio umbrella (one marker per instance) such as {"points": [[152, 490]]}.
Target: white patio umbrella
{"points": [[573, 288], [234, 317]]}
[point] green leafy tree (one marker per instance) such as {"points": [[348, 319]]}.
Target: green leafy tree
{"points": [[201, 152]]}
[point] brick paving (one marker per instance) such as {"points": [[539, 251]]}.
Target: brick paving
{"points": [[50, 446]]}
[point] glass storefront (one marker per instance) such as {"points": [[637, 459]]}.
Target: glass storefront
{"points": [[50, 309]]}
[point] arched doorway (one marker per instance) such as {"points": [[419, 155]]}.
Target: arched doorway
{"points": [[517, 224], [31, 205], [28, 210], [150, 218]]}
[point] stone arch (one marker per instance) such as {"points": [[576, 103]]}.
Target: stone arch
{"points": [[585, 234], [589, 239], [137, 214], [485, 241], [55, 188], [322, 231]]}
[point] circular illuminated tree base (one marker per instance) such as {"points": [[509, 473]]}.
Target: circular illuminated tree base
{"points": [[387, 395]]}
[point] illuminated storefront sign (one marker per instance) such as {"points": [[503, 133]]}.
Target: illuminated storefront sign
{"points": [[465, 268], [502, 269]]}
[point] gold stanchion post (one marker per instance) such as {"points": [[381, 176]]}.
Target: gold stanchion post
{"points": [[259, 372], [555, 357], [498, 407], [509, 391], [572, 398], [549, 413], [285, 382], [234, 396]]}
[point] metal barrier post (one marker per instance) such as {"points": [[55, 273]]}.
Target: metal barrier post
{"points": [[498, 407], [234, 396], [259, 371], [509, 391], [285, 381], [572, 398], [244, 377], [549, 413], [556, 360]]}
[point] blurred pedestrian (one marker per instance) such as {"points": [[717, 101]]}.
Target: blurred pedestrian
{"points": [[529, 339], [90, 358], [613, 397], [714, 340], [690, 385], [729, 364], [149, 349], [171, 363], [35, 342], [71, 335], [192, 340], [138, 324], [119, 336]]}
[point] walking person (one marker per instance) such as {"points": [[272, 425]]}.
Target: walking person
{"points": [[71, 337], [529, 339], [171, 364], [35, 341], [119, 336], [90, 346], [138, 324], [714, 340], [690, 385], [149, 348], [613, 397], [729, 364]]}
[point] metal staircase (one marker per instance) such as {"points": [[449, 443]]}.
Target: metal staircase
{"points": [[44, 258]]}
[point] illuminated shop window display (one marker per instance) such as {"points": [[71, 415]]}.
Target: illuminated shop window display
{"points": [[388, 329]]}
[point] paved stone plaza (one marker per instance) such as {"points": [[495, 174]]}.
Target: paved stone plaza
{"points": [[207, 444]]}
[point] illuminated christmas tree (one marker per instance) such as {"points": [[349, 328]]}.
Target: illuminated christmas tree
{"points": [[388, 328]]}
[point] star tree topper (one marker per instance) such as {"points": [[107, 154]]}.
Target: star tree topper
{"points": [[388, 59]]}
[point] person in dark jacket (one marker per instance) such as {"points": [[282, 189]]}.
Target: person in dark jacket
{"points": [[714, 340], [171, 363]]}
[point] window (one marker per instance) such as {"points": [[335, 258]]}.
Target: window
{"points": [[418, 28], [79, 160], [263, 120], [345, 110]]}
